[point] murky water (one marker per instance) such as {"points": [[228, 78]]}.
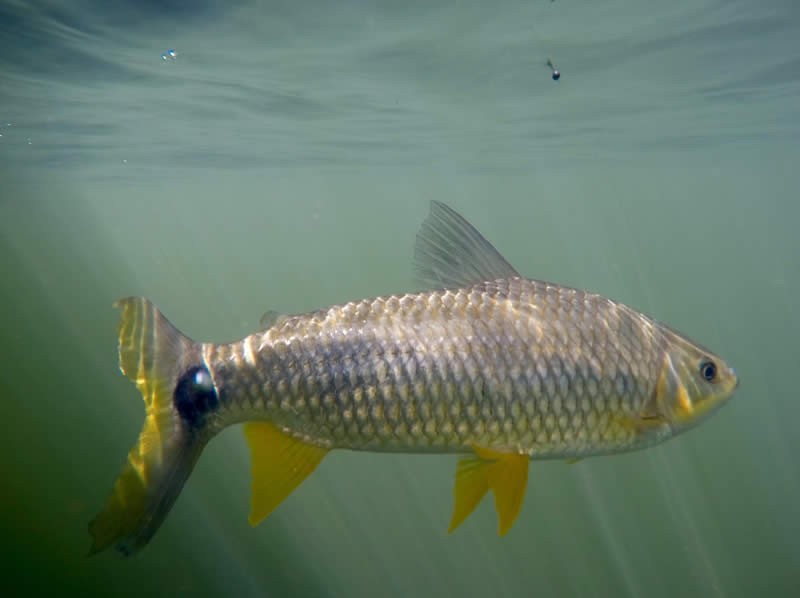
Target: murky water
{"points": [[284, 160]]}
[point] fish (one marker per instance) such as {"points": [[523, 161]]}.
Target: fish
{"points": [[482, 363]]}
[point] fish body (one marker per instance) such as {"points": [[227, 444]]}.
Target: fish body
{"points": [[507, 364], [487, 364]]}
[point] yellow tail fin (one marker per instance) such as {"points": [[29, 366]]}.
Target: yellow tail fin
{"points": [[155, 355]]}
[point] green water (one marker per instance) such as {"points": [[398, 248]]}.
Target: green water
{"points": [[285, 159]]}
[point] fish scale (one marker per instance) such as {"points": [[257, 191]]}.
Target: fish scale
{"points": [[499, 368], [445, 370]]}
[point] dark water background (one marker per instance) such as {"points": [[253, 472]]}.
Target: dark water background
{"points": [[284, 160]]}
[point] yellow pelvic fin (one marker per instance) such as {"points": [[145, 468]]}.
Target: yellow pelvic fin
{"points": [[278, 464], [472, 484], [574, 460], [505, 474]]}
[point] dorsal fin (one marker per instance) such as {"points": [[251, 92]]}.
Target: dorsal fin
{"points": [[451, 253]]}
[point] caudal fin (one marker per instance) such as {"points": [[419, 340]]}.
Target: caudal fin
{"points": [[154, 354]]}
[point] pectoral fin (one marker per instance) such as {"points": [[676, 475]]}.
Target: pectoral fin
{"points": [[278, 464], [505, 474]]}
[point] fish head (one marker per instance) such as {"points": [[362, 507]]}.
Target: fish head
{"points": [[692, 384]]}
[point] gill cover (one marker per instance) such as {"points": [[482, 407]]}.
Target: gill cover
{"points": [[692, 384], [157, 358]]}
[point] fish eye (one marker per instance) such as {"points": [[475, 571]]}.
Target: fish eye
{"points": [[708, 370]]}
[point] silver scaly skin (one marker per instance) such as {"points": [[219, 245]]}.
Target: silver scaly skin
{"points": [[508, 364]]}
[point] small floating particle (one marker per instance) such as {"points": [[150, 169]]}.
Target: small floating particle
{"points": [[555, 73]]}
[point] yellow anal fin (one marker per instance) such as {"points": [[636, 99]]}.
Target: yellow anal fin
{"points": [[574, 460], [278, 464], [508, 480], [505, 474]]}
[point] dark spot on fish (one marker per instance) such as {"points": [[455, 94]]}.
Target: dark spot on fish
{"points": [[195, 395]]}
